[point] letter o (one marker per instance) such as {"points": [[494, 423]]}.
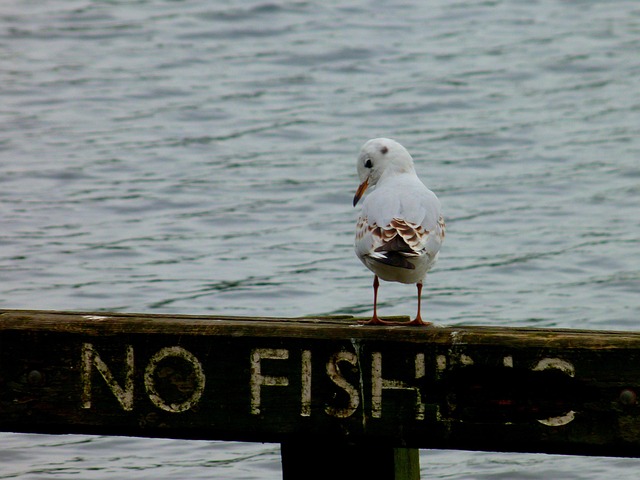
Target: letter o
{"points": [[150, 386]]}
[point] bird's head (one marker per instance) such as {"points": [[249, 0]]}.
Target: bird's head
{"points": [[378, 158]]}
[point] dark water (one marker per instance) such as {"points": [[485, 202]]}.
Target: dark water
{"points": [[199, 157]]}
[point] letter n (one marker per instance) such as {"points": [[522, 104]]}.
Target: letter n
{"points": [[91, 359]]}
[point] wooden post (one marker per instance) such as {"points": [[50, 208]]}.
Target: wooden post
{"points": [[325, 388], [326, 459]]}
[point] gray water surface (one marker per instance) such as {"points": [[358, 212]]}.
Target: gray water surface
{"points": [[199, 157]]}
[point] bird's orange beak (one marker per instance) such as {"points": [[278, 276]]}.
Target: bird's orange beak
{"points": [[361, 189]]}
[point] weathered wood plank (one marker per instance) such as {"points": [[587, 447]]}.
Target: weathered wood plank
{"points": [[270, 380]]}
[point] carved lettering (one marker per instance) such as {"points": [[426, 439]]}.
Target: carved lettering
{"points": [[91, 359], [569, 369], [174, 380], [258, 380], [196, 381], [334, 373], [378, 384], [305, 401]]}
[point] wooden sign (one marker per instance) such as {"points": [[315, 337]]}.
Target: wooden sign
{"points": [[320, 379]]}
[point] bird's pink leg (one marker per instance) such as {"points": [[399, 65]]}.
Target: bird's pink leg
{"points": [[376, 284], [375, 320], [418, 320]]}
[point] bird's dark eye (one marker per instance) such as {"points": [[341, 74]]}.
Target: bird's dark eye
{"points": [[368, 163]]}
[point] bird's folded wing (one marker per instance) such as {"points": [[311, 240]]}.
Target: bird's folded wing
{"points": [[392, 244]]}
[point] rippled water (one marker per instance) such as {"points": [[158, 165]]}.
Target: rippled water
{"points": [[195, 157]]}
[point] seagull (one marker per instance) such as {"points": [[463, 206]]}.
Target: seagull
{"points": [[400, 228]]}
